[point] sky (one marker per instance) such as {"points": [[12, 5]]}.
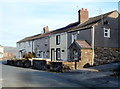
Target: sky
{"points": [[22, 18]]}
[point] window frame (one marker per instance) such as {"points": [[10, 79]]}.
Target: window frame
{"points": [[58, 40], [107, 31]]}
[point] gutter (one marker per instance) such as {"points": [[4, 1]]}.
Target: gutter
{"points": [[93, 44]]}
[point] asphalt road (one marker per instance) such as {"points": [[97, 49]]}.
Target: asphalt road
{"points": [[23, 77]]}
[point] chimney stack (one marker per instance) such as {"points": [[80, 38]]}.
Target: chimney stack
{"points": [[45, 29], [82, 15]]}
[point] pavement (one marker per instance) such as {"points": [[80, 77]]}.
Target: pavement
{"points": [[98, 76]]}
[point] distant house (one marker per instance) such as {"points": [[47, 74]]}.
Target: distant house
{"points": [[1, 51], [7, 52]]}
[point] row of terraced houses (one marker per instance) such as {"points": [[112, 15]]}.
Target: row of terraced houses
{"points": [[92, 40]]}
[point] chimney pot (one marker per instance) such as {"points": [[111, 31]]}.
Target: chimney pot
{"points": [[82, 8]]}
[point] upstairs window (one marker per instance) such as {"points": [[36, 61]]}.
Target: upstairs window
{"points": [[46, 41], [74, 37], [57, 39], [106, 32]]}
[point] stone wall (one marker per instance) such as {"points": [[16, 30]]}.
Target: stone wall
{"points": [[106, 55], [86, 57]]}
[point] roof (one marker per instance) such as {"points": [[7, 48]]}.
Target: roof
{"points": [[91, 21], [80, 44], [60, 30], [69, 28]]}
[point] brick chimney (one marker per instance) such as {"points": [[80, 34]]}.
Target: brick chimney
{"points": [[45, 29], [82, 15]]}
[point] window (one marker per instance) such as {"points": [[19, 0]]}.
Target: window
{"points": [[74, 37], [47, 54], [57, 39], [106, 32], [46, 41], [58, 54], [38, 53], [44, 54], [75, 54], [29, 43]]}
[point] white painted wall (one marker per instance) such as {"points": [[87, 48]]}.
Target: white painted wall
{"points": [[26, 46], [62, 46]]}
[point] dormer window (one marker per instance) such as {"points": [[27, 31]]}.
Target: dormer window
{"points": [[106, 32], [106, 22]]}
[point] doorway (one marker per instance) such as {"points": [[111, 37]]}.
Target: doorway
{"points": [[52, 54]]}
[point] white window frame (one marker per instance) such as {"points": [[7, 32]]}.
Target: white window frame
{"points": [[107, 31], [58, 40]]}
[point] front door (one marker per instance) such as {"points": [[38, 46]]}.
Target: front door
{"points": [[52, 54], [58, 54]]}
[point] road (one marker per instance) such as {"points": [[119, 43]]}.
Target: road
{"points": [[23, 77]]}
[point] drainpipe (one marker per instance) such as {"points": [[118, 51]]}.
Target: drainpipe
{"points": [[32, 46], [93, 44]]}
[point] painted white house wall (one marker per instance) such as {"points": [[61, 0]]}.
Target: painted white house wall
{"points": [[24, 47], [1, 51], [41, 47], [62, 45]]}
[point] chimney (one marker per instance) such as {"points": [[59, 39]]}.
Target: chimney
{"points": [[45, 29], [82, 15]]}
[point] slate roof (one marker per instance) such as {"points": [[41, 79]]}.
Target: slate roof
{"points": [[28, 38], [70, 28], [91, 21], [60, 30], [82, 44]]}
